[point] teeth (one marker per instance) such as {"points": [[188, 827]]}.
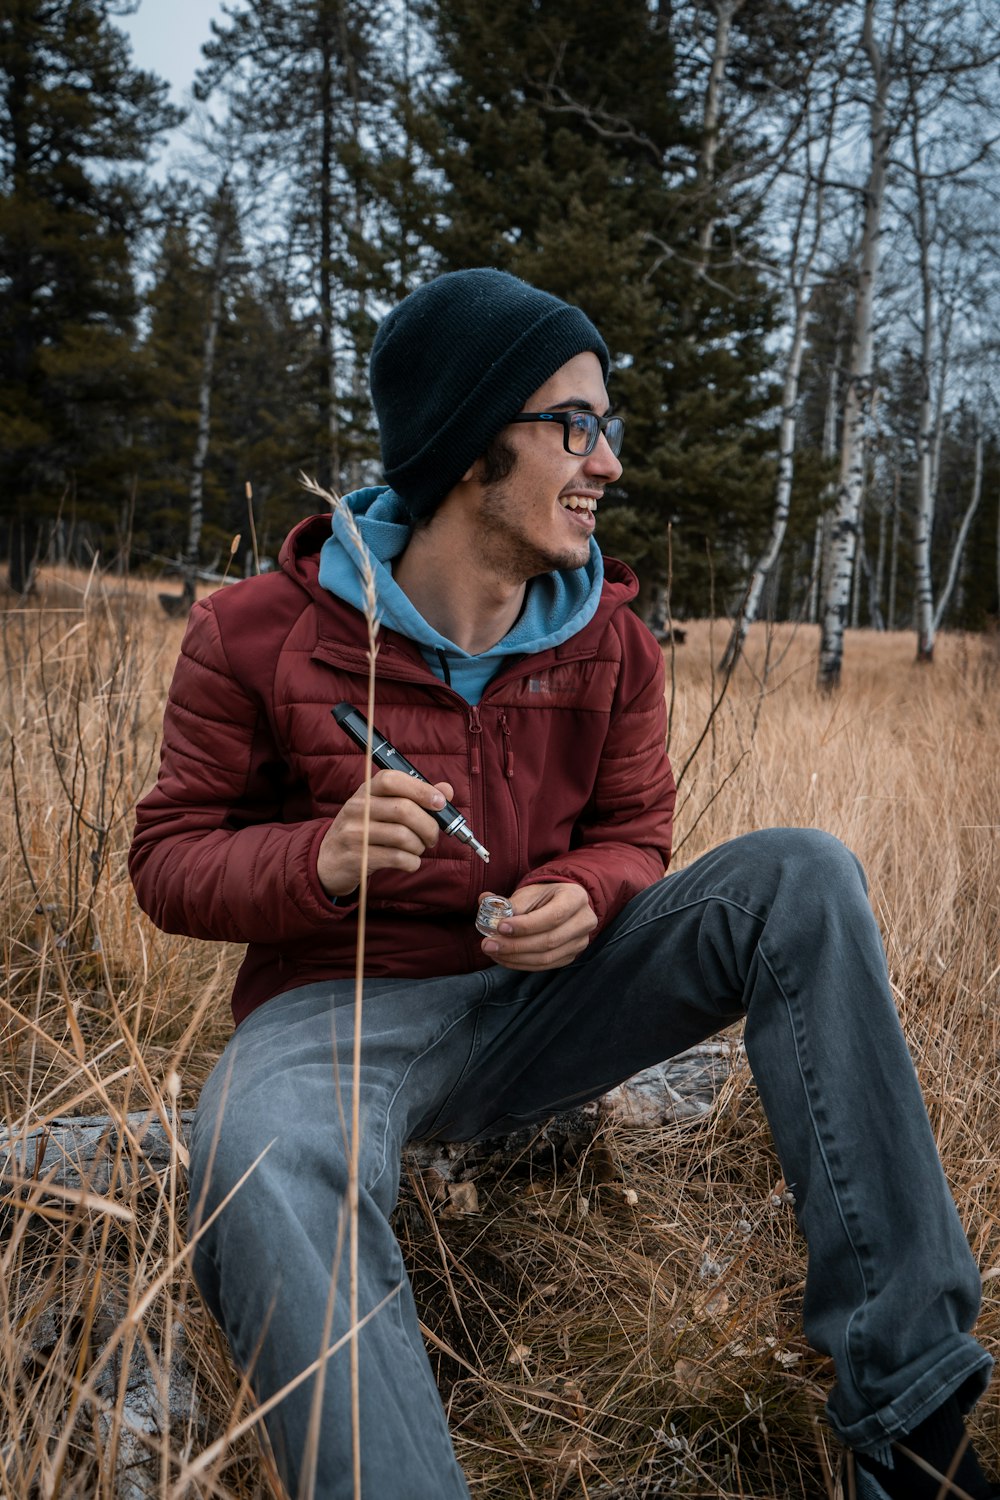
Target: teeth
{"points": [[578, 502]]}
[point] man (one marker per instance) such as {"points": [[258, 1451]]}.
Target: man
{"points": [[512, 673]]}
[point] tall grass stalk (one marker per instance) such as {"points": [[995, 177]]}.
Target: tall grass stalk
{"points": [[370, 593], [624, 1324]]}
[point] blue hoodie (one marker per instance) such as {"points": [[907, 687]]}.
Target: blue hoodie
{"points": [[556, 605]]}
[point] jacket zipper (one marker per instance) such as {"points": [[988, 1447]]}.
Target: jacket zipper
{"points": [[478, 795], [508, 766], [475, 731], [508, 748]]}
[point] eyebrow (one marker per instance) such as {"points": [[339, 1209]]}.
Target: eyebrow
{"points": [[579, 403]]}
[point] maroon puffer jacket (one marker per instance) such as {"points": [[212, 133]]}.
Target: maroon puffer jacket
{"points": [[560, 770]]}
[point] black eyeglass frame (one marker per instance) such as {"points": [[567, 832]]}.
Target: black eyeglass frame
{"points": [[596, 426]]}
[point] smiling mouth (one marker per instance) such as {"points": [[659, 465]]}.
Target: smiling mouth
{"points": [[579, 503]]}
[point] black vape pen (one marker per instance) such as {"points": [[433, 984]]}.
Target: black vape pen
{"points": [[388, 758]]}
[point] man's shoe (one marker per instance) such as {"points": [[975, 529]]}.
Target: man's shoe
{"points": [[867, 1487]]}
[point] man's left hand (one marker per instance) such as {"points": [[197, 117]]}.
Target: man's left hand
{"points": [[552, 924]]}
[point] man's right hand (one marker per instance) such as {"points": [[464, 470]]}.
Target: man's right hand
{"points": [[400, 830]]}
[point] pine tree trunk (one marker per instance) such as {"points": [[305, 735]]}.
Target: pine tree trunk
{"points": [[879, 579], [893, 555], [814, 576], [359, 365], [329, 457]]}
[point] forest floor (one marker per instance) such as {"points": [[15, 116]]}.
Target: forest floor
{"points": [[620, 1322]]}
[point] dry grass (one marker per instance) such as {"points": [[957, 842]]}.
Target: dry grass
{"points": [[586, 1345]]}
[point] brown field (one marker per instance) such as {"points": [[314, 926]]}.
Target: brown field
{"points": [[581, 1349]]}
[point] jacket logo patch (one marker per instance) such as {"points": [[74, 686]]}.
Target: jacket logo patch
{"points": [[568, 685]]}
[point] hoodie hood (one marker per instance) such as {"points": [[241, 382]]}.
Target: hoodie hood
{"points": [[556, 607]]}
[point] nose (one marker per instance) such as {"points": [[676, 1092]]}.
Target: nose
{"points": [[602, 462]]}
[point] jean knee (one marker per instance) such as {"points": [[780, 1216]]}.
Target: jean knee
{"points": [[811, 860]]}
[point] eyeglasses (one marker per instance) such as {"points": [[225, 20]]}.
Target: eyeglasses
{"points": [[581, 429]]}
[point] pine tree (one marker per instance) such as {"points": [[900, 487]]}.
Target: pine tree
{"points": [[568, 157], [259, 425], [302, 80], [77, 122]]}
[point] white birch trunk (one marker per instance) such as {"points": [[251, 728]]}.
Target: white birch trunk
{"points": [[925, 496], [800, 276], [783, 487], [725, 10], [963, 534], [844, 538], [821, 561], [200, 456]]}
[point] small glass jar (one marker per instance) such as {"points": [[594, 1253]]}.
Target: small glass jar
{"points": [[492, 911]]}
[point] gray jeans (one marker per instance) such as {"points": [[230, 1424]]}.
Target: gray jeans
{"points": [[774, 927]]}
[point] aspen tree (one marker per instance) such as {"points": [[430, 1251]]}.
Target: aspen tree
{"points": [[844, 525]]}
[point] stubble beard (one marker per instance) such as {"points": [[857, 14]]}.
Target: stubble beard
{"points": [[510, 556]]}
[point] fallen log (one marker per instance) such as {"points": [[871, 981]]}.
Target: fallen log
{"points": [[143, 1394]]}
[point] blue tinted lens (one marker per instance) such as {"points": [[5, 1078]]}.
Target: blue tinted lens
{"points": [[581, 431], [614, 431]]}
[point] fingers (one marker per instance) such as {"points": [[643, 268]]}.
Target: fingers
{"points": [[551, 926], [394, 822]]}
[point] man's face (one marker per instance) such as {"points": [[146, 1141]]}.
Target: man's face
{"points": [[540, 518]]}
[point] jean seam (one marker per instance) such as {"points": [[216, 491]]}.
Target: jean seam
{"points": [[412, 1064], [639, 924], [473, 1049]]}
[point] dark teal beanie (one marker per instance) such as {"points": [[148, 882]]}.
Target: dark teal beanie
{"points": [[454, 362]]}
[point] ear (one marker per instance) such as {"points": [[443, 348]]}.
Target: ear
{"points": [[469, 473]]}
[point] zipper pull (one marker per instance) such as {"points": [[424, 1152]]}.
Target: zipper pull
{"points": [[475, 730], [508, 746]]}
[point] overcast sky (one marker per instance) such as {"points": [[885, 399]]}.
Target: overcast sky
{"points": [[167, 37]]}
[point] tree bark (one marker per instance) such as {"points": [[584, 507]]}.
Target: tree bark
{"points": [[844, 538], [814, 576], [893, 555], [329, 462], [799, 279], [859, 552], [925, 498], [196, 510], [725, 11], [879, 580], [963, 533]]}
